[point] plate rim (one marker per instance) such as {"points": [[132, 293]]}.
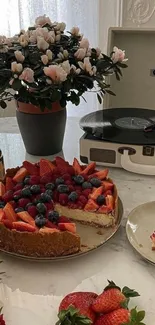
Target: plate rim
{"points": [[132, 242]]}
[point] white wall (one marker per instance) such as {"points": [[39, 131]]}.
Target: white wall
{"points": [[138, 13]]}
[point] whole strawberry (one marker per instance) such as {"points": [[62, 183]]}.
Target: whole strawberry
{"points": [[121, 316], [112, 298], [82, 301]]}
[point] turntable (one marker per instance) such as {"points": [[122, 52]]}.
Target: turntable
{"points": [[120, 137]]}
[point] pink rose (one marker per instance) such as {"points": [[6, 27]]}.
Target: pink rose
{"points": [[44, 59], [16, 67], [42, 20], [27, 75], [84, 43], [56, 73], [118, 55], [80, 54], [19, 56]]}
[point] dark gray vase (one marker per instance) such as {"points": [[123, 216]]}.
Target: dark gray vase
{"points": [[42, 134]]}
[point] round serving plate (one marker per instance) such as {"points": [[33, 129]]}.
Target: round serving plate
{"points": [[140, 225], [91, 239]]}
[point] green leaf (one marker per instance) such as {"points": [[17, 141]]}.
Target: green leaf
{"points": [[99, 98], [130, 292], [117, 75], [133, 314], [16, 85], [48, 104], [122, 65], [140, 315], [110, 92], [3, 104], [55, 95]]}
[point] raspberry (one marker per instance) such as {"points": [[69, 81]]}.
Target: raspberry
{"points": [[69, 182], [71, 188], [42, 188], [78, 192], [14, 204], [82, 199], [46, 179], [72, 205], [63, 199], [64, 219], [8, 196], [80, 205], [23, 202], [49, 224], [18, 187], [18, 193], [55, 196], [85, 177], [49, 205], [86, 192], [70, 170], [66, 177], [78, 188], [32, 211], [34, 180]]}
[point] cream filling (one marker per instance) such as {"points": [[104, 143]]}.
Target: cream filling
{"points": [[103, 220]]}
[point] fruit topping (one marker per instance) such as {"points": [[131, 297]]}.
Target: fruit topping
{"points": [[9, 185], [86, 192], [86, 185], [50, 230], [41, 208], [59, 181], [35, 189], [9, 212], [45, 197], [89, 169], [26, 192], [100, 199], [8, 196], [31, 168], [23, 202], [13, 203], [63, 199], [78, 179], [46, 178], [18, 187], [34, 180], [98, 191], [20, 175], [95, 182], [102, 174], [2, 189], [63, 219], [32, 210], [82, 199], [110, 202], [49, 193], [73, 196], [91, 206], [23, 226], [40, 221], [50, 186], [46, 166], [26, 180], [104, 209], [2, 203], [77, 167], [2, 215], [19, 210], [107, 185], [7, 223], [62, 188], [53, 216], [25, 216], [67, 226]]}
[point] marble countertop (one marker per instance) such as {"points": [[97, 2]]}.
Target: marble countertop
{"points": [[115, 260]]}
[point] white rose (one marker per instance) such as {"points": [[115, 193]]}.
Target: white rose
{"points": [[19, 56], [98, 51], [84, 43], [80, 54], [51, 36], [62, 27], [86, 65], [49, 54], [65, 54], [16, 67], [75, 31], [23, 40], [44, 59], [66, 66], [42, 44], [118, 55], [42, 20], [60, 56], [57, 38], [43, 32], [27, 75], [56, 73]]}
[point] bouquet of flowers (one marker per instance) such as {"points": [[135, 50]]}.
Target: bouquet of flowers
{"points": [[44, 65]]}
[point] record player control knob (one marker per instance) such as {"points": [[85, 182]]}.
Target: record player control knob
{"points": [[131, 151]]}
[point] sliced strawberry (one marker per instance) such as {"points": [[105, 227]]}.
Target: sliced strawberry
{"points": [[8, 196], [60, 162], [98, 191], [9, 184], [20, 175], [108, 192], [25, 216], [104, 209], [7, 223], [77, 167], [70, 170], [63, 219], [9, 212], [22, 226], [46, 167], [50, 230], [2, 189], [91, 206], [110, 201], [67, 227], [89, 169], [2, 215], [86, 192], [107, 186], [31, 168], [101, 174]]}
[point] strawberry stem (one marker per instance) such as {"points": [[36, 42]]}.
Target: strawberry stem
{"points": [[71, 316], [130, 293], [111, 285], [136, 317]]}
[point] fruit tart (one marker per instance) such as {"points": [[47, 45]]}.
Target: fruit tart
{"points": [[39, 204]]}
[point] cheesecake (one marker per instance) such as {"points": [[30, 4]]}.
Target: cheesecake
{"points": [[40, 203]]}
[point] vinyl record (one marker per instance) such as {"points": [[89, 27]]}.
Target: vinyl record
{"points": [[121, 125]]}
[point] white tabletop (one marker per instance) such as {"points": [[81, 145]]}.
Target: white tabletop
{"points": [[115, 260]]}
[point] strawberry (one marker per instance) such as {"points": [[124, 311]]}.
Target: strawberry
{"points": [[122, 316], [86, 192], [91, 206], [14, 204], [34, 180], [104, 209], [71, 188], [8, 196], [47, 178], [110, 202], [70, 170], [77, 167], [31, 168], [26, 217], [63, 219], [2, 189], [9, 212], [23, 202], [18, 187], [32, 210], [2, 215], [23, 226], [50, 230], [62, 165], [112, 298], [101, 174], [20, 175], [107, 186], [9, 185], [98, 191], [7, 223], [67, 227], [82, 301], [49, 205], [2, 321], [108, 192], [46, 167], [89, 169], [63, 199]]}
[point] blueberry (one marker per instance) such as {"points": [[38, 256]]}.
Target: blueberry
{"points": [[59, 181], [53, 216], [78, 179], [28, 205], [73, 196], [16, 197], [36, 201], [95, 182], [100, 200], [86, 185], [49, 192], [26, 192], [49, 186], [26, 180], [19, 210], [62, 188], [40, 221], [45, 197], [2, 204], [41, 207], [35, 189]]}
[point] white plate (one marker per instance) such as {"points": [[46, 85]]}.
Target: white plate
{"points": [[18, 316], [140, 225]]}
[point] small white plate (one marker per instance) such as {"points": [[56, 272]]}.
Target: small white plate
{"points": [[140, 225], [18, 316]]}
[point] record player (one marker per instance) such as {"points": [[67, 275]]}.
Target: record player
{"points": [[118, 137]]}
